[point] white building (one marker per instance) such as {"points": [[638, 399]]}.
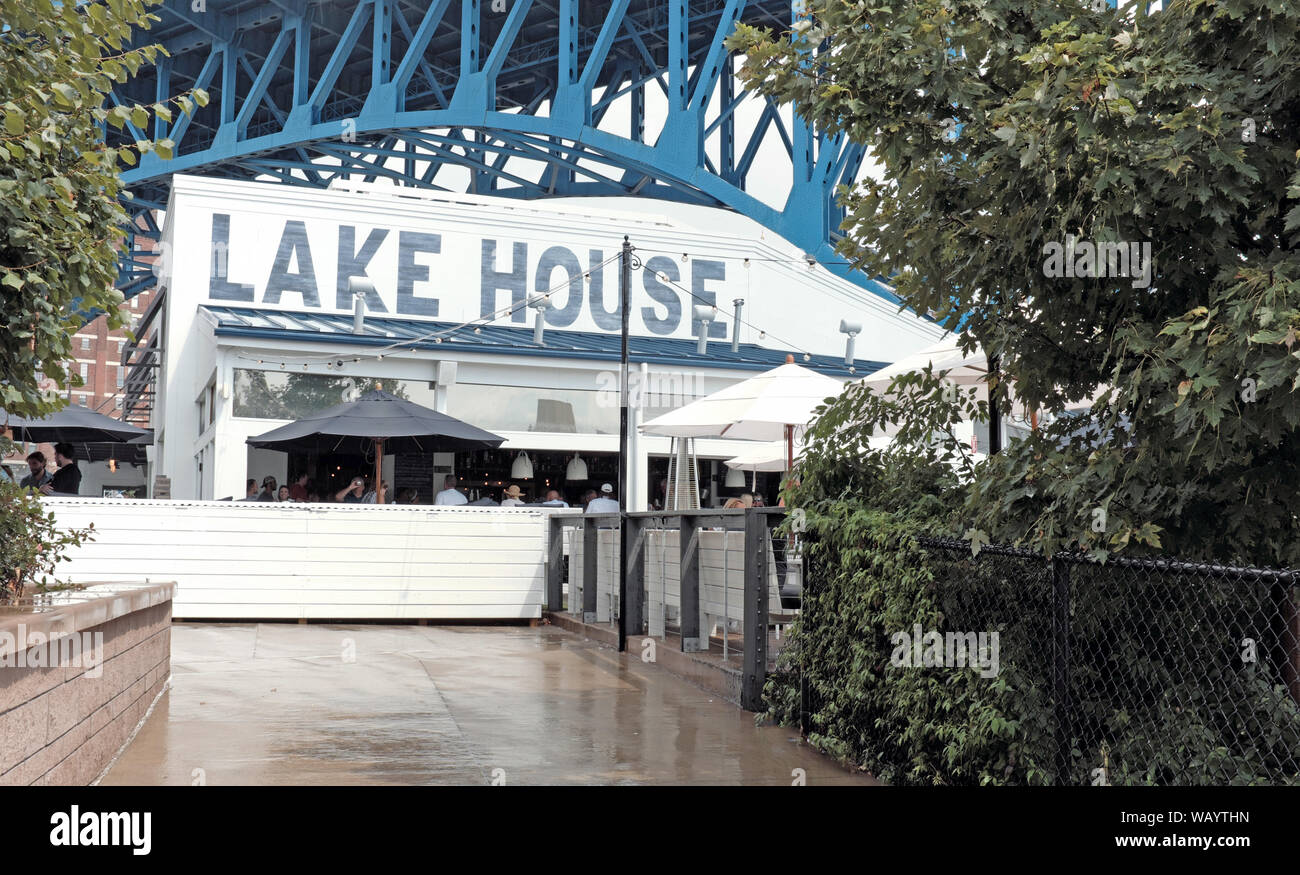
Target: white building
{"points": [[255, 328]]}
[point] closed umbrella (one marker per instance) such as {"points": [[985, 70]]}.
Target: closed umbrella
{"points": [[771, 406], [383, 421]]}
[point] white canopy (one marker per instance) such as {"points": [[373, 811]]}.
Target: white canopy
{"points": [[963, 369], [767, 456], [757, 409]]}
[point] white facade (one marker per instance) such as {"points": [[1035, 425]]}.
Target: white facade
{"points": [[451, 259]]}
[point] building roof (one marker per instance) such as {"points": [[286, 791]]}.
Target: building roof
{"points": [[380, 331]]}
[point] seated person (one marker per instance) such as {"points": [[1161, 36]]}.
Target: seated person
{"points": [[553, 499], [353, 493]]}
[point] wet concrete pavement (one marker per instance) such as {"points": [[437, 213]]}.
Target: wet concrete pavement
{"points": [[338, 704]]}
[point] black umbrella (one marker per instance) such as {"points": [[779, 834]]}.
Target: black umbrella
{"points": [[386, 421], [75, 425]]}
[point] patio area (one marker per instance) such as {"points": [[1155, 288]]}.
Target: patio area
{"points": [[274, 703]]}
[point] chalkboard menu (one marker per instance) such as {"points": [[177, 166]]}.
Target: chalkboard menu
{"points": [[414, 471]]}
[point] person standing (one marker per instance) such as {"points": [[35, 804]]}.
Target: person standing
{"points": [[513, 497], [250, 490], [450, 494], [66, 480], [298, 491], [268, 489], [39, 476]]}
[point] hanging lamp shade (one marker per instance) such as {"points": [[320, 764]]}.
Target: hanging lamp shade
{"points": [[522, 469], [577, 469], [735, 479]]}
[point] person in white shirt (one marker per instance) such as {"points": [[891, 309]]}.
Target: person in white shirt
{"points": [[513, 497], [450, 494], [605, 503], [553, 499]]}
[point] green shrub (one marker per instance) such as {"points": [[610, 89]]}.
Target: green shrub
{"points": [[30, 543]]}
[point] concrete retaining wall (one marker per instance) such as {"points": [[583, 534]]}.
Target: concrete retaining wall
{"points": [[67, 708]]}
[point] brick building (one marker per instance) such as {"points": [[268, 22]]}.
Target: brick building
{"points": [[97, 357]]}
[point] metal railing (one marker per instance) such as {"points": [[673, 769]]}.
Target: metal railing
{"points": [[634, 531]]}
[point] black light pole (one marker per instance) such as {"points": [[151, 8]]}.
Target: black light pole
{"points": [[995, 418], [625, 297]]}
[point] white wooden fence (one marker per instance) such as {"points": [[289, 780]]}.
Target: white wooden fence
{"points": [[254, 560]]}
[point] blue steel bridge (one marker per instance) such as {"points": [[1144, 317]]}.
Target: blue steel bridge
{"points": [[310, 92]]}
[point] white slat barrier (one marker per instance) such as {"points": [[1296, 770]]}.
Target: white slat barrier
{"points": [[234, 560]]}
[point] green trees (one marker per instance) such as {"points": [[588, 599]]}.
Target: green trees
{"points": [[60, 217], [1014, 137]]}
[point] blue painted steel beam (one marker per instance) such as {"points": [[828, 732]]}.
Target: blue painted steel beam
{"points": [[405, 88]]}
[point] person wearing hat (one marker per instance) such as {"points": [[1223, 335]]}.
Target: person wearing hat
{"points": [[268, 489], [513, 496], [605, 503]]}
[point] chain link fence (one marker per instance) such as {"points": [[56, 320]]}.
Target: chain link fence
{"points": [[1146, 672]]}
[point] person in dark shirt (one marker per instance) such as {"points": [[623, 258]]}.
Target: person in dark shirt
{"points": [[66, 480], [268, 489]]}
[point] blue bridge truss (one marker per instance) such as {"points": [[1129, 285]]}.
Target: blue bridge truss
{"points": [[310, 92]]}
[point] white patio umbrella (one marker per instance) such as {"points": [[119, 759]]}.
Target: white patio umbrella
{"points": [[768, 456], [963, 369], [770, 406]]}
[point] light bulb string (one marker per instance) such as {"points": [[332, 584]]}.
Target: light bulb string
{"points": [[787, 259], [663, 277]]}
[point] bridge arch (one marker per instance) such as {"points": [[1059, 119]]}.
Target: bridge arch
{"points": [[309, 91]]}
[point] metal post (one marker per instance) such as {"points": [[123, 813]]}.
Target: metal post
{"points": [[995, 417], [1061, 666], [555, 564], [754, 670], [726, 604], [590, 568], [690, 586], [634, 606], [625, 296]]}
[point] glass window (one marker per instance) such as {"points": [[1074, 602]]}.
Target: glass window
{"points": [[85, 370], [85, 343], [117, 402], [121, 376], [288, 395], [514, 408]]}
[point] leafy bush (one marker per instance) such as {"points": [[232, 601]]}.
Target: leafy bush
{"points": [[1159, 694], [30, 544]]}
